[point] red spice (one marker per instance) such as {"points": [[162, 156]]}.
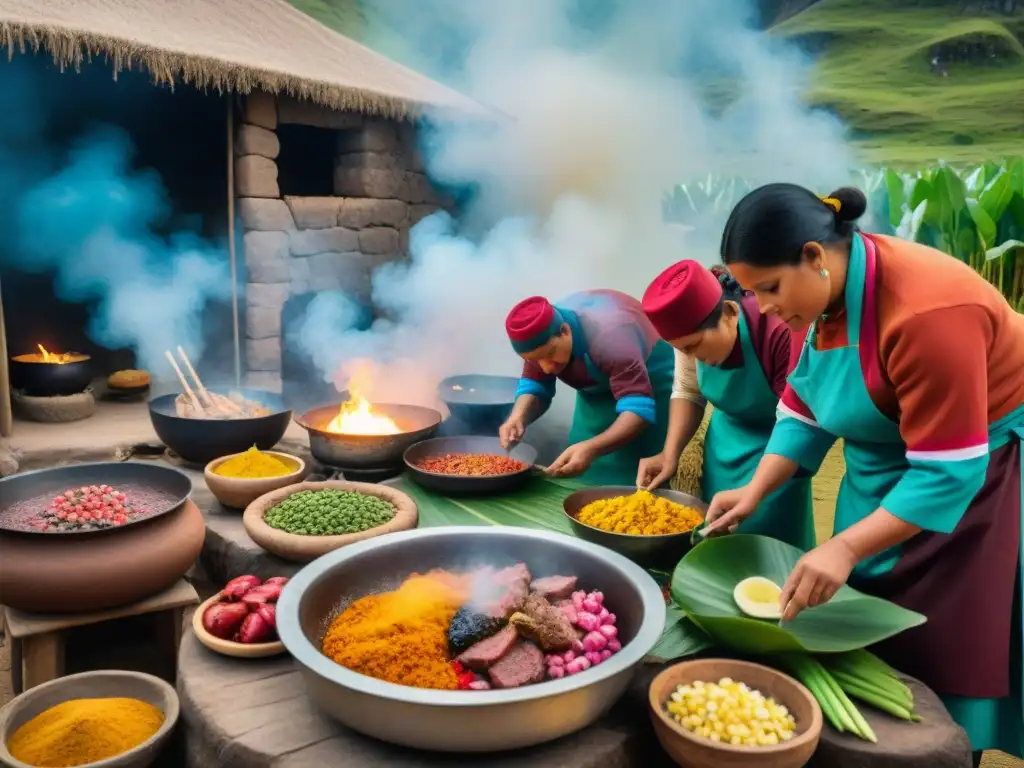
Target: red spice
{"points": [[88, 508], [479, 464], [464, 677]]}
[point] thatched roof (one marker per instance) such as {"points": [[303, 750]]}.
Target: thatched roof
{"points": [[238, 45]]}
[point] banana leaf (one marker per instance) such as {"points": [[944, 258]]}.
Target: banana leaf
{"points": [[681, 638], [703, 583], [538, 505]]}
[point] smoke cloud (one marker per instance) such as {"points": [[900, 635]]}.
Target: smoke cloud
{"points": [[610, 109]]}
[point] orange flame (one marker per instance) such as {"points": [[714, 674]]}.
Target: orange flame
{"points": [[57, 358], [356, 417]]}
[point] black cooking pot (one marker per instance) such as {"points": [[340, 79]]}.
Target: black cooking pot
{"points": [[203, 440], [480, 401], [40, 379]]}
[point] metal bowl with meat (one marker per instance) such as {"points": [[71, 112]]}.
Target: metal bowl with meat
{"points": [[513, 593]]}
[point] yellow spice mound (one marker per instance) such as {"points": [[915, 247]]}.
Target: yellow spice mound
{"points": [[640, 514], [82, 731], [402, 636]]}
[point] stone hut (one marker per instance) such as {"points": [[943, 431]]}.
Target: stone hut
{"points": [[283, 69]]}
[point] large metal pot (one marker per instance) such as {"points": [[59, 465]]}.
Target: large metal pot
{"points": [[36, 377], [481, 402], [367, 451], [465, 721]]}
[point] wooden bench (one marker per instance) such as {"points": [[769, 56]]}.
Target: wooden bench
{"points": [[37, 640]]}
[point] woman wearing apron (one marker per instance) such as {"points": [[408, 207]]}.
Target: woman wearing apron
{"points": [[602, 345], [916, 363], [729, 354]]}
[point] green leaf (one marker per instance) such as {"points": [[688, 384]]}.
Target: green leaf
{"points": [[997, 195], [1016, 209], [920, 192], [680, 639], [946, 201], [910, 225], [703, 584], [992, 254], [975, 181], [986, 224], [897, 196]]}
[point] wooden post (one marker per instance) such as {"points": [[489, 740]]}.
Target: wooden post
{"points": [[231, 236], [6, 416]]}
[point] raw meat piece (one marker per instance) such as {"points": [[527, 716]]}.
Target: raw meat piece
{"points": [[545, 623], [554, 588], [487, 652], [523, 665]]}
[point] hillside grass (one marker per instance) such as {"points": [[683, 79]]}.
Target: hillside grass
{"points": [[875, 74]]}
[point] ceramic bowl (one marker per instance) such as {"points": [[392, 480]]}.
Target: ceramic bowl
{"points": [[238, 493], [229, 647], [107, 683], [692, 751]]}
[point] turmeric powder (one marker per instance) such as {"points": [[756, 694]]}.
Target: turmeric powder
{"points": [[640, 514], [82, 731], [402, 636], [253, 464]]}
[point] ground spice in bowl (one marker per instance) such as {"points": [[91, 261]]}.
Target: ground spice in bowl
{"points": [[640, 514], [82, 731], [253, 465], [471, 464]]}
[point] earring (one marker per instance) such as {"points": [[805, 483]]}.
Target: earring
{"points": [[823, 272]]}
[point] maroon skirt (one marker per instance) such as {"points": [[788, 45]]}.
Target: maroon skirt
{"points": [[964, 582]]}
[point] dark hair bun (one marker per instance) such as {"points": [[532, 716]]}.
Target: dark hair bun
{"points": [[731, 289], [852, 203]]}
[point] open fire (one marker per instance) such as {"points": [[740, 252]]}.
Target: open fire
{"points": [[53, 358], [357, 417]]}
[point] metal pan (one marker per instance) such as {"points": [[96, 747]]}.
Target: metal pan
{"points": [[480, 401], [468, 484], [167, 481]]}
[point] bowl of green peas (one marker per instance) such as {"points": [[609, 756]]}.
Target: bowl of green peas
{"points": [[304, 521]]}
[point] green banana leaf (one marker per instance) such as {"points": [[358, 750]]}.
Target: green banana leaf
{"points": [[703, 583], [680, 639], [538, 505]]}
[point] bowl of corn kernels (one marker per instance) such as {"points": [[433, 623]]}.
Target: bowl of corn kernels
{"points": [[713, 712]]}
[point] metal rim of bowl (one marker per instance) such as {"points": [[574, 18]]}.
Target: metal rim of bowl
{"points": [[172, 396], [700, 507], [309, 656], [473, 478], [159, 467], [303, 421], [171, 717], [444, 387]]}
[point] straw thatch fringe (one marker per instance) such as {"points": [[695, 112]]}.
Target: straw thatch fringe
{"points": [[70, 48]]}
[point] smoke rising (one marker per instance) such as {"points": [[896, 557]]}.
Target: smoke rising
{"points": [[610, 108], [84, 213]]}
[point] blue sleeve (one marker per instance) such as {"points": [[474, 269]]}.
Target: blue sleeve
{"points": [[545, 390], [934, 495], [641, 405], [800, 441]]}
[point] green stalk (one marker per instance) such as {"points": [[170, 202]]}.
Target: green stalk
{"points": [[799, 668], [845, 680], [879, 702], [873, 674], [857, 724], [823, 682]]}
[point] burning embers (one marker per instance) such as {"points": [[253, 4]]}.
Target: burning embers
{"points": [[53, 358], [356, 416]]}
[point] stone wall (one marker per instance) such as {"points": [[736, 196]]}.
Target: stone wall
{"points": [[296, 245]]}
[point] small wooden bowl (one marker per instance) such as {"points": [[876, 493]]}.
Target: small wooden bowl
{"points": [[303, 549], [229, 647], [107, 683], [692, 751], [238, 493]]}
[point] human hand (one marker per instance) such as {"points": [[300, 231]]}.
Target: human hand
{"points": [[574, 461], [655, 471], [511, 432], [817, 577], [727, 510]]}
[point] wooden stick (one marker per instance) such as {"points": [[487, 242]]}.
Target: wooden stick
{"points": [[195, 376], [184, 382], [232, 258]]}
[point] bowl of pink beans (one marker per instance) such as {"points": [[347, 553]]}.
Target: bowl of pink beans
{"points": [[588, 614]]}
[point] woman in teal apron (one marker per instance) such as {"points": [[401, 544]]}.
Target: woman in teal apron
{"points": [[601, 344], [915, 362], [709, 319]]}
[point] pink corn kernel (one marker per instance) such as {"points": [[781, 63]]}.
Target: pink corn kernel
{"points": [[577, 646], [556, 673], [614, 645], [603, 613], [577, 600], [590, 605], [577, 665], [593, 657], [609, 630], [587, 621], [554, 660], [479, 685], [568, 656], [609, 619], [595, 641], [606, 654], [596, 596]]}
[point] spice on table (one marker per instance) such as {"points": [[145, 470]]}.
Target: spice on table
{"points": [[82, 731], [402, 636], [329, 513], [731, 712], [473, 464], [90, 507], [253, 465], [640, 514]]}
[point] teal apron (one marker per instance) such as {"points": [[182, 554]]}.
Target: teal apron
{"points": [[595, 412], [741, 423], [831, 383]]}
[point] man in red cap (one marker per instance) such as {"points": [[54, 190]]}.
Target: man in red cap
{"points": [[730, 355], [602, 345]]}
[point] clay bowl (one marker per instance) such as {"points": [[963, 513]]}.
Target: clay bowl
{"points": [[302, 549], [238, 493], [645, 550], [691, 751], [229, 647], [108, 683]]}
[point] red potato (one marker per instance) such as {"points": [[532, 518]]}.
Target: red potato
{"points": [[254, 629], [268, 613], [267, 593], [238, 586], [282, 580], [223, 619]]}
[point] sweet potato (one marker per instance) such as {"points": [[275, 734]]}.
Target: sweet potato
{"points": [[268, 613], [222, 619], [238, 586], [254, 629], [266, 593], [282, 580]]}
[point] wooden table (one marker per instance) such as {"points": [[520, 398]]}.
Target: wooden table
{"points": [[37, 640]]}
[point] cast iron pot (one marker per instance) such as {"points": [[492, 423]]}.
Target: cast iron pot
{"points": [[481, 402], [40, 379], [203, 440]]}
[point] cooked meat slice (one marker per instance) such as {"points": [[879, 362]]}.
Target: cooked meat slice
{"points": [[488, 651], [554, 588], [522, 665]]}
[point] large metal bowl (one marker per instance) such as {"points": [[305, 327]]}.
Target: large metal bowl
{"points": [[367, 451], [482, 402], [465, 721], [649, 551]]}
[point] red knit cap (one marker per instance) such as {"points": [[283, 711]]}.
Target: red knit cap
{"points": [[681, 298]]}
